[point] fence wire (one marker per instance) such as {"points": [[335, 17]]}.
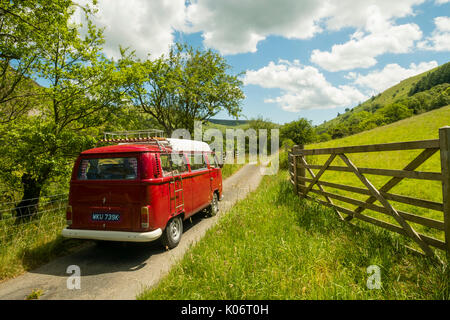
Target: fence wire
{"points": [[43, 217]]}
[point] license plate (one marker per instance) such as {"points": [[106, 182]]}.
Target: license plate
{"points": [[105, 217]]}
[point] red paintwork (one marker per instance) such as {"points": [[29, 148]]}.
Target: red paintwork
{"points": [[150, 189]]}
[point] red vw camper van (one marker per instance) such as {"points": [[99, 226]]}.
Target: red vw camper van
{"points": [[141, 189]]}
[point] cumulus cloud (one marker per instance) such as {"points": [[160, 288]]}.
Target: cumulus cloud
{"points": [[379, 37], [391, 74], [354, 13], [440, 37], [237, 26], [302, 87], [232, 26], [144, 26]]}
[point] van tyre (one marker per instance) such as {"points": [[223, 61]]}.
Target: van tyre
{"points": [[172, 234], [214, 206]]}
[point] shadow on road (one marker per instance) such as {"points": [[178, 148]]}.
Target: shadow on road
{"points": [[106, 257]]}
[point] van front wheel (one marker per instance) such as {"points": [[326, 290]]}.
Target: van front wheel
{"points": [[172, 234]]}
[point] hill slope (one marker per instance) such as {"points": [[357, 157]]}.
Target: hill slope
{"points": [[391, 105]]}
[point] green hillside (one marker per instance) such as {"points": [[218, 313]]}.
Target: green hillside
{"points": [[420, 127], [407, 98]]}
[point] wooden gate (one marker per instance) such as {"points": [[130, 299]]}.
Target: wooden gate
{"points": [[304, 186]]}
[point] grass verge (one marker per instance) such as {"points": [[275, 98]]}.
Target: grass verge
{"points": [[272, 245], [28, 246]]}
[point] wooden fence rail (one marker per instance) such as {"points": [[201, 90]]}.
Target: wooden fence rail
{"points": [[304, 186]]}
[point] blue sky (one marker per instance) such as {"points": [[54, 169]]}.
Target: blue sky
{"points": [[299, 58]]}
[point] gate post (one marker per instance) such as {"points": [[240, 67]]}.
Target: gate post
{"points": [[298, 171], [444, 142], [294, 171]]}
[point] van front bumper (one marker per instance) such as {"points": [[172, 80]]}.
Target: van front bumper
{"points": [[112, 235]]}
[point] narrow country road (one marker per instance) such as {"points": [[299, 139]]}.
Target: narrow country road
{"points": [[122, 271]]}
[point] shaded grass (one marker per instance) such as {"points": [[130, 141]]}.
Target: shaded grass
{"points": [[272, 245]]}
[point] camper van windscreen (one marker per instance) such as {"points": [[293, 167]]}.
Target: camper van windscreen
{"points": [[108, 169]]}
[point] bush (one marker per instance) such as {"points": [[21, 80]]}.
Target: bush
{"points": [[300, 131], [396, 111], [284, 162]]}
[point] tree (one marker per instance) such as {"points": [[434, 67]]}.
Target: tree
{"points": [[81, 95], [25, 27], [431, 79], [300, 131], [184, 86], [259, 123]]}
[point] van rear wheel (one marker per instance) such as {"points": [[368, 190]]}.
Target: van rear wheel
{"points": [[172, 234], [214, 206]]}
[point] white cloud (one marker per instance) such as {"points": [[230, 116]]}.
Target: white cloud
{"points": [[237, 26], [440, 37], [379, 37], [442, 1], [144, 26], [232, 26], [380, 80], [302, 87], [354, 13]]}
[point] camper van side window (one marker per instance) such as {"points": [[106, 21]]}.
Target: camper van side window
{"points": [[212, 161], [178, 164], [197, 161]]}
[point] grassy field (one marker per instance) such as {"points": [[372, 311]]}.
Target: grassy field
{"points": [[421, 127], [272, 245]]}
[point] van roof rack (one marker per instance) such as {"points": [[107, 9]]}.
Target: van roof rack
{"points": [[134, 134], [153, 137], [149, 136]]}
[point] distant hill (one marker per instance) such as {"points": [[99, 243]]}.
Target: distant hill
{"points": [[231, 123], [415, 95]]}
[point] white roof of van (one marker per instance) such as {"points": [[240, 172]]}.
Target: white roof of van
{"points": [[188, 145]]}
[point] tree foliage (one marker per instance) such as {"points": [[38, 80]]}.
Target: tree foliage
{"points": [[439, 76], [25, 28], [300, 131], [80, 95], [186, 85]]}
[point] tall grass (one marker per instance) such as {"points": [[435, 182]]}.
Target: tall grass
{"points": [[272, 245], [26, 246]]}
